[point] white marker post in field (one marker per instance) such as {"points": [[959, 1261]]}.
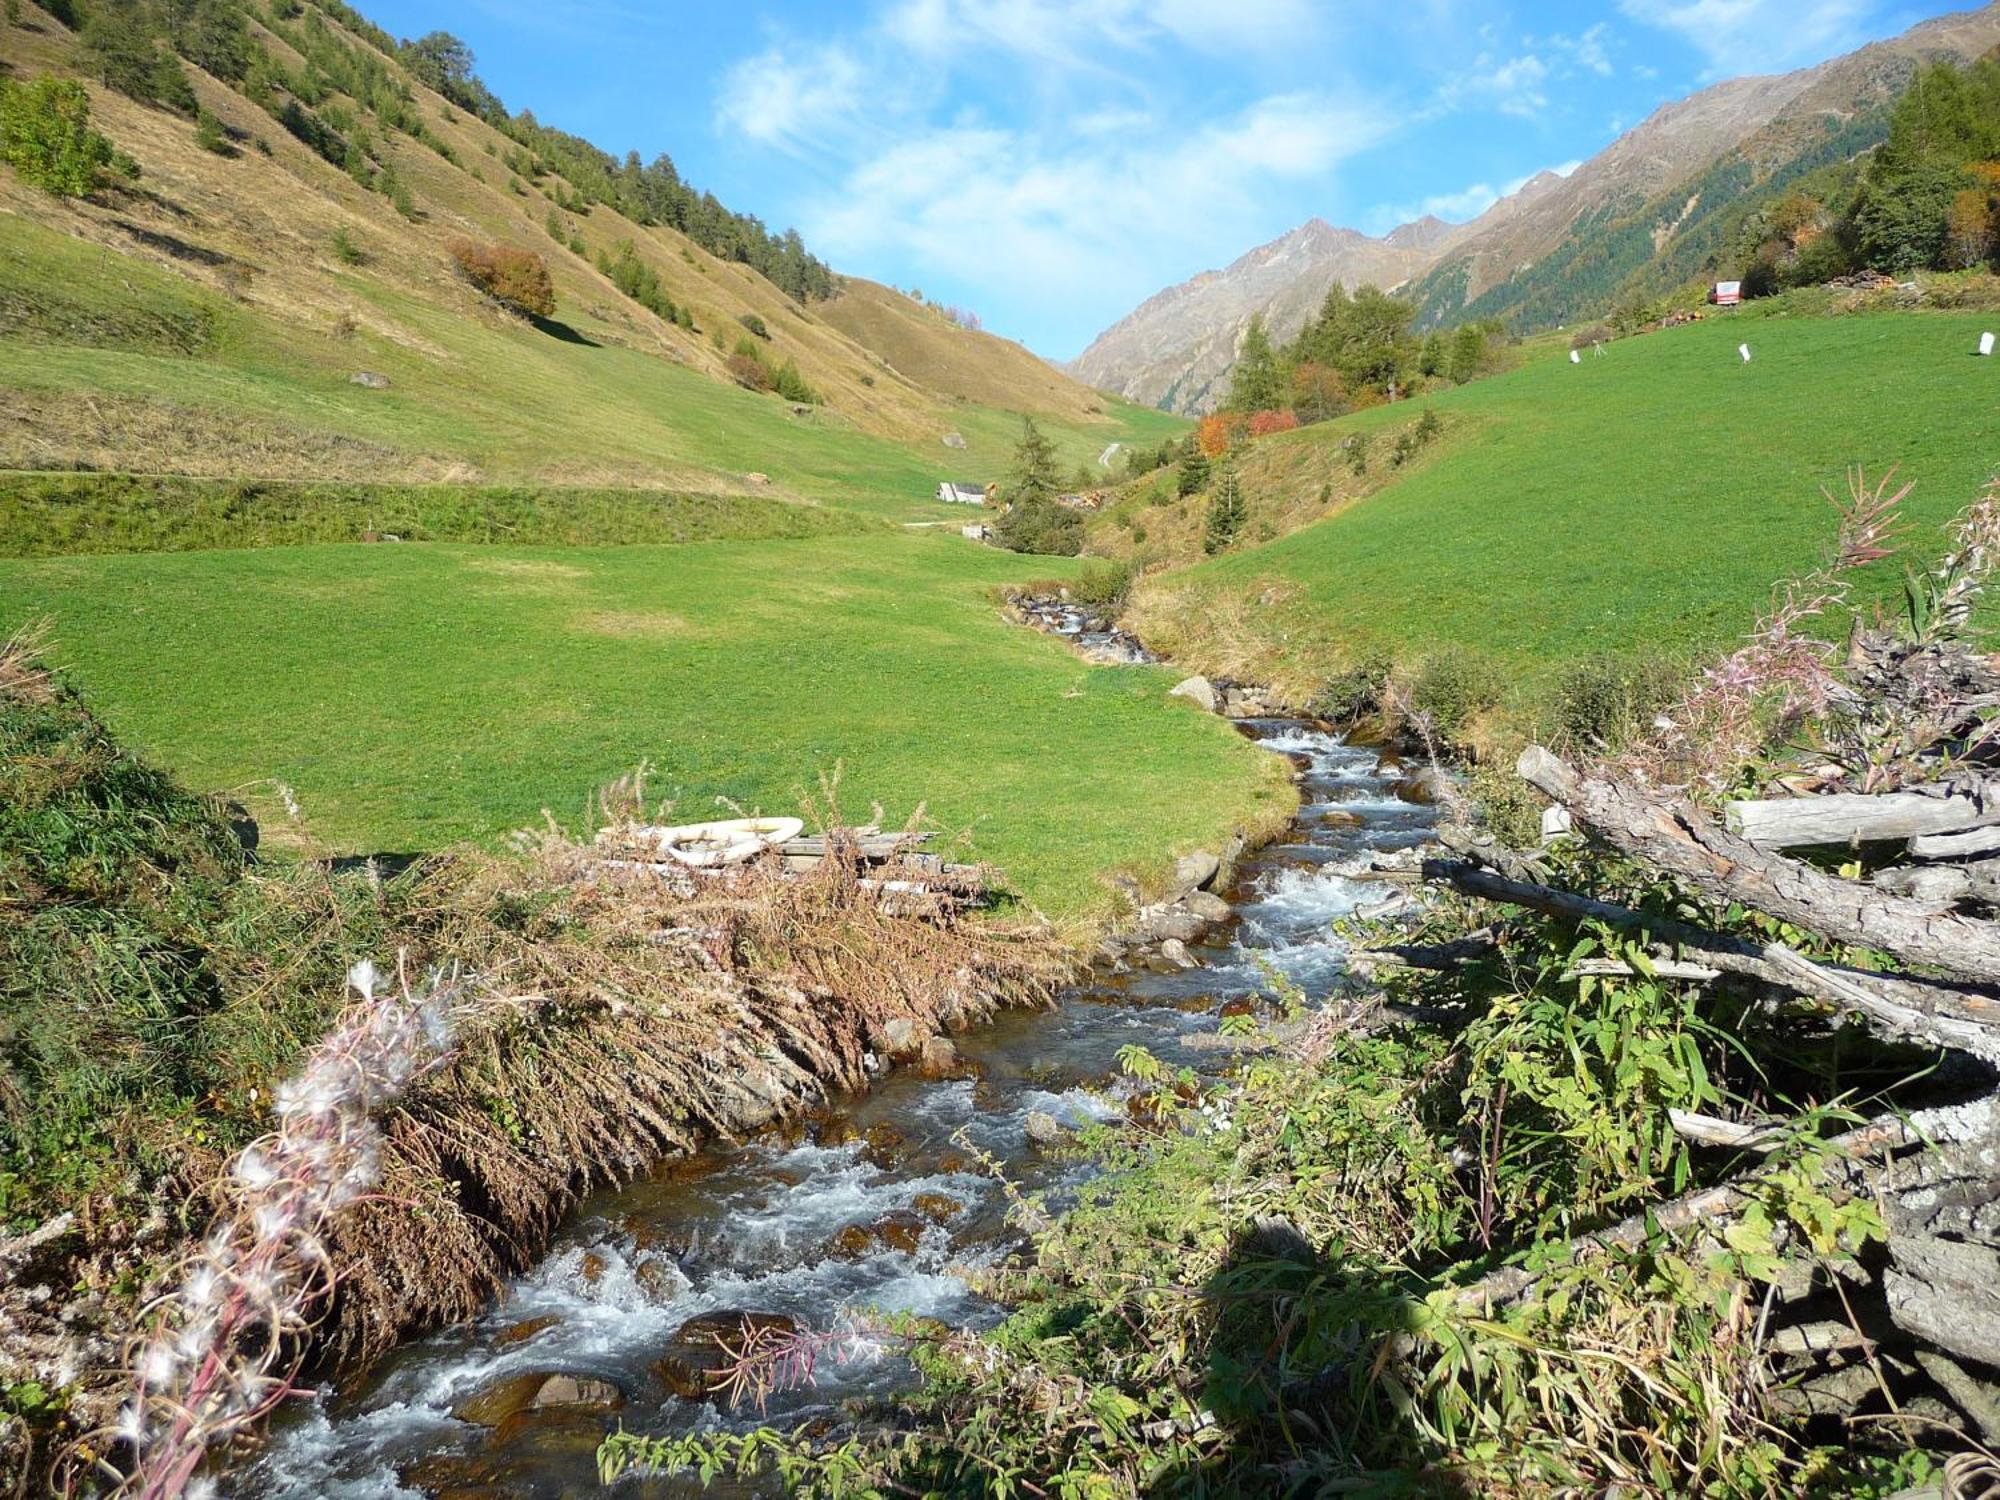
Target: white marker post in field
{"points": [[1985, 343], [1575, 357], [1744, 350]]}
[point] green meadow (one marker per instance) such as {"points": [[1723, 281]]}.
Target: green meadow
{"points": [[1642, 501], [418, 694]]}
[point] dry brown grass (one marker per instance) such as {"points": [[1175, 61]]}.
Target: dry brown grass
{"points": [[663, 1018], [75, 430]]}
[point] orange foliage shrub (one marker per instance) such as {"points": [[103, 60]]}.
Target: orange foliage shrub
{"points": [[516, 279], [1264, 423], [749, 372], [1219, 433]]}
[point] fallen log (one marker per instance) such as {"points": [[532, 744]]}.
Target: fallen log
{"points": [[1956, 845], [1880, 1137], [1855, 817], [1942, 885], [1940, 1016], [1680, 840]]}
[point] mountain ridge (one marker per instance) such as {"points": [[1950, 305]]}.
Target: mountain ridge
{"points": [[1486, 266]]}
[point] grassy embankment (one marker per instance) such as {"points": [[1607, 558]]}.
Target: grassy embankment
{"points": [[1636, 505]]}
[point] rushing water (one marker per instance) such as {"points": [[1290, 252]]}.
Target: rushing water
{"points": [[757, 1227]]}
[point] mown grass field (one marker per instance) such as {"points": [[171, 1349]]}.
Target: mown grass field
{"points": [[418, 694], [1641, 502]]}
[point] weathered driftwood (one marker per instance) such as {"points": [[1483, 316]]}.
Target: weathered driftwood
{"points": [[1682, 841], [1956, 845], [1855, 817], [1736, 1135], [1910, 1009], [1943, 885]]}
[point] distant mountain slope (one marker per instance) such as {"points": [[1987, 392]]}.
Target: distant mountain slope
{"points": [[1176, 348], [1651, 208], [922, 344], [294, 222], [1651, 201]]}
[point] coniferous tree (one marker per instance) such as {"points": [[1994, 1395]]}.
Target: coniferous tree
{"points": [[1194, 473], [1258, 382], [1033, 475], [1226, 513]]}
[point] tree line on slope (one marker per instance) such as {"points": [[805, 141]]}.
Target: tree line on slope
{"points": [[348, 100], [1927, 200], [1360, 350]]}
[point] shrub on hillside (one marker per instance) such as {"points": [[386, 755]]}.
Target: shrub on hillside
{"points": [[754, 323], [1226, 513], [517, 279], [1264, 423], [1039, 525], [121, 46], [749, 372], [1602, 703], [1103, 584], [1349, 695], [45, 135], [1450, 689], [790, 384]]}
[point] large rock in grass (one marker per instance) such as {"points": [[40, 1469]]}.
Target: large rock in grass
{"points": [[1196, 871], [1198, 691]]}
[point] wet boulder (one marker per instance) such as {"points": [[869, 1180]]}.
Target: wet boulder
{"points": [[705, 1346], [1043, 1129], [936, 1207], [661, 1278], [537, 1390], [521, 1332], [1207, 905], [900, 1230]]}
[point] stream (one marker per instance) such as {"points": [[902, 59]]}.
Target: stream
{"points": [[872, 1204]]}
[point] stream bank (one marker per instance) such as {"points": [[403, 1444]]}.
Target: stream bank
{"points": [[886, 1201]]}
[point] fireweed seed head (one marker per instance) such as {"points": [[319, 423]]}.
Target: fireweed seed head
{"points": [[363, 978]]}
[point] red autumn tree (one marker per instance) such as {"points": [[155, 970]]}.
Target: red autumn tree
{"points": [[517, 279]]}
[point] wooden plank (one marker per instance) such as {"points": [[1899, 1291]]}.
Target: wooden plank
{"points": [[1852, 817], [1956, 845]]}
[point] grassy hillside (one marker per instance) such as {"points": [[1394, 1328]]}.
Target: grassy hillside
{"points": [[420, 694], [216, 310], [121, 364], [1641, 502], [923, 344]]}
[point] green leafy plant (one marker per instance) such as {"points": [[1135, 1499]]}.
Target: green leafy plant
{"points": [[46, 136]]}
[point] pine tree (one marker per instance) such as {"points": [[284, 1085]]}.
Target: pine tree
{"points": [[1034, 475], [1257, 383], [1194, 473], [1226, 513]]}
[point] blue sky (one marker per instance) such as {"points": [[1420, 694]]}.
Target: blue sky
{"points": [[1049, 165]]}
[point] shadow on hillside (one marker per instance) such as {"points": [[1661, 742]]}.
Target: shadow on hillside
{"points": [[174, 246], [1299, 1381], [563, 331]]}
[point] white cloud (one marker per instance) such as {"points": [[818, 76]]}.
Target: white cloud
{"points": [[1517, 86], [1063, 220], [1590, 51], [790, 102], [1739, 36], [1076, 34]]}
